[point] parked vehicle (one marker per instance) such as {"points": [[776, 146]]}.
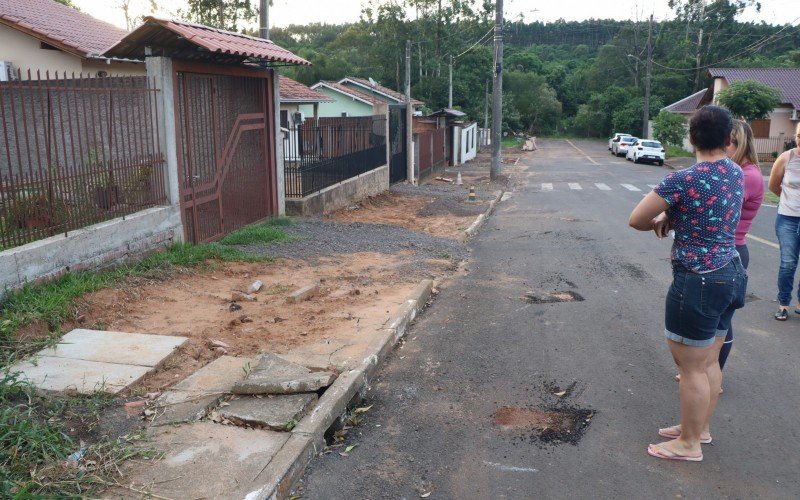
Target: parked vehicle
{"points": [[620, 148], [646, 150], [616, 138]]}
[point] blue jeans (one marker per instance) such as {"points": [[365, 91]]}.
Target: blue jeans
{"points": [[700, 307], [787, 229]]}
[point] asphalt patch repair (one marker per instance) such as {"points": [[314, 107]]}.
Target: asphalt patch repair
{"points": [[549, 425], [552, 297]]}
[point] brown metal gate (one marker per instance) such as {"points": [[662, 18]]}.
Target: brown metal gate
{"points": [[226, 148]]}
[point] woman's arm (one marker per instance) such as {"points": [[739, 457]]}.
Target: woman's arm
{"points": [[776, 175], [644, 216]]}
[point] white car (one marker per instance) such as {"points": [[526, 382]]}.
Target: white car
{"points": [[616, 138], [620, 148], [646, 150]]}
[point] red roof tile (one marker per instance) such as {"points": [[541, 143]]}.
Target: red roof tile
{"points": [[363, 96], [182, 40], [60, 26], [787, 80], [293, 91], [391, 93], [687, 104]]}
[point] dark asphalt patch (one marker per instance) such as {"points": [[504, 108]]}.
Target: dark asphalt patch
{"points": [[549, 425], [552, 297]]}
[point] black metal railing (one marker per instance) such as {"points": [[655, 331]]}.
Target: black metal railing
{"points": [[323, 153]]}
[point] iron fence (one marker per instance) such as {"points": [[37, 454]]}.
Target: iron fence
{"points": [[77, 151], [322, 153]]}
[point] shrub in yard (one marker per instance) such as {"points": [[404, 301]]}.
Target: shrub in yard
{"points": [[670, 128]]}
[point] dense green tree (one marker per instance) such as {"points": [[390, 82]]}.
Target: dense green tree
{"points": [[231, 15], [534, 100], [670, 128], [749, 99]]}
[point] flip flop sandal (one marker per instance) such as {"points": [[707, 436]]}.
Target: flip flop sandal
{"points": [[657, 451], [669, 435], [782, 315]]}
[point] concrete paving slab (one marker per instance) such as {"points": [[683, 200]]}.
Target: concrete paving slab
{"points": [[203, 460], [115, 347], [275, 412], [189, 399], [269, 385], [87, 377]]}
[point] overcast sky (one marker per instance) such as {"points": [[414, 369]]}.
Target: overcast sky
{"points": [[285, 12]]}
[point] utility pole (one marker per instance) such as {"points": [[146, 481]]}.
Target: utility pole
{"points": [[263, 20], [699, 45], [649, 69], [497, 91], [409, 118], [486, 107], [450, 88]]}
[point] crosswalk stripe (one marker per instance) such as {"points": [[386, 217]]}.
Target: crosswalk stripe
{"points": [[602, 187], [575, 186], [630, 187], [652, 186], [547, 186]]}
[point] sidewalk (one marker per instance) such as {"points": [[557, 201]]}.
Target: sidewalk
{"points": [[370, 270]]}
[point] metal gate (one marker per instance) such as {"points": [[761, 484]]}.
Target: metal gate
{"points": [[398, 163], [226, 149]]}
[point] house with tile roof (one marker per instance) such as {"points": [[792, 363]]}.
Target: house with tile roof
{"points": [[44, 35], [357, 97], [298, 98]]}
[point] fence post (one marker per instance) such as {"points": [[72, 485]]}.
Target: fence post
{"points": [[279, 163], [159, 69]]}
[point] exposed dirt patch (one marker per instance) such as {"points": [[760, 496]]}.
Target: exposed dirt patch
{"points": [[439, 216], [549, 424], [551, 297], [352, 289]]}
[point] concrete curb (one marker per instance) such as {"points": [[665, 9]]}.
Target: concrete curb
{"points": [[475, 226], [308, 437]]}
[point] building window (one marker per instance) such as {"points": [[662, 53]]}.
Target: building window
{"points": [[344, 114], [284, 118], [760, 128]]}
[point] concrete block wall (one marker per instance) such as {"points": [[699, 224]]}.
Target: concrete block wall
{"points": [[89, 248], [342, 194]]}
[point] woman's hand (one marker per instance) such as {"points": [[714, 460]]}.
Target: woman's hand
{"points": [[661, 225]]}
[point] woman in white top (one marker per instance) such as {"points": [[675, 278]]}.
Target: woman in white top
{"points": [[784, 181]]}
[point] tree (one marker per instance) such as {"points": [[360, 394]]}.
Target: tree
{"points": [[68, 3], [749, 99], [670, 128], [228, 15]]}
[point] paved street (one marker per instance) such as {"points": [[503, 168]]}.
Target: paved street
{"points": [[481, 351]]}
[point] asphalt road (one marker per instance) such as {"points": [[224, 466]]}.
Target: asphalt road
{"points": [[481, 347]]}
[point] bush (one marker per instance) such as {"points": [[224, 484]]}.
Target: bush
{"points": [[670, 128]]}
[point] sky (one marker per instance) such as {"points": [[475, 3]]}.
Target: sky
{"points": [[285, 12]]}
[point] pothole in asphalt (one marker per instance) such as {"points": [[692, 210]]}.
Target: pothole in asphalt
{"points": [[549, 425], [551, 297]]}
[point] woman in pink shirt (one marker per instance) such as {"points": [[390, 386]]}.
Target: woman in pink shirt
{"points": [[743, 152]]}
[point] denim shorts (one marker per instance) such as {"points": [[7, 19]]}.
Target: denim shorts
{"points": [[701, 306]]}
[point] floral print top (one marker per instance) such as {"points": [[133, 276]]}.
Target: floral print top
{"points": [[705, 204]]}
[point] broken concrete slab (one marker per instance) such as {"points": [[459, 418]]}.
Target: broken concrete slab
{"points": [[202, 460], [90, 361], [115, 347], [306, 383], [86, 377], [279, 413], [275, 375], [190, 399], [302, 294]]}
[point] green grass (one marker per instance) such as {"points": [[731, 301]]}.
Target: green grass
{"points": [[34, 445], [770, 198], [265, 232], [511, 141], [53, 302], [675, 151]]}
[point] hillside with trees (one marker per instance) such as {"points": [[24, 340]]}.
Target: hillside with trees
{"points": [[583, 78]]}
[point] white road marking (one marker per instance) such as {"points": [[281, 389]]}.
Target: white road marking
{"points": [[509, 468], [630, 187], [581, 152], [575, 186], [762, 240], [652, 186], [547, 186], [603, 187]]}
